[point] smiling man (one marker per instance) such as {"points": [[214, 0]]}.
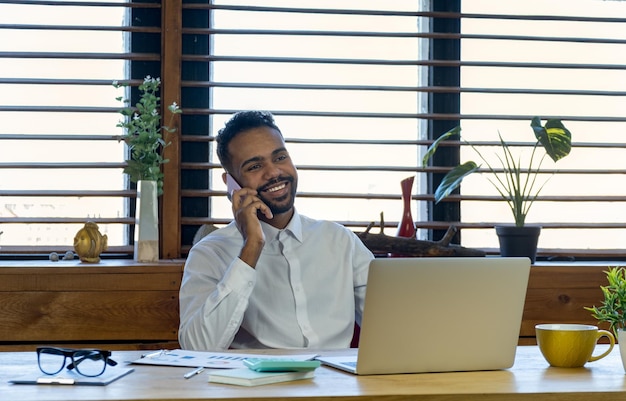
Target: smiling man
{"points": [[272, 278]]}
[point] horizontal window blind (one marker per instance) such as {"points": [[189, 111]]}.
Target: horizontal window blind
{"points": [[61, 158], [343, 81], [359, 89], [553, 59]]}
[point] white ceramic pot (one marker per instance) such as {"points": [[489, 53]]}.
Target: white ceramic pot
{"points": [[147, 222], [621, 339]]}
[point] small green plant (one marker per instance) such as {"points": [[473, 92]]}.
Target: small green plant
{"points": [[142, 125], [613, 308], [515, 183]]}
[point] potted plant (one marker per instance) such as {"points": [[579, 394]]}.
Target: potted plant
{"points": [[613, 307], [142, 126], [143, 135], [516, 184]]}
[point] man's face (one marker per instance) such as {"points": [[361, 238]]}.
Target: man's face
{"points": [[261, 161]]}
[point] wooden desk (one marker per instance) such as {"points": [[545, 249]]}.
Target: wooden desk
{"points": [[530, 379]]}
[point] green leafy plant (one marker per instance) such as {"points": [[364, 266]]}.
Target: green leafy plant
{"points": [[515, 183], [613, 308], [143, 133]]}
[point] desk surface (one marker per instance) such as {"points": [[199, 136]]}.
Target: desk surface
{"points": [[529, 379]]}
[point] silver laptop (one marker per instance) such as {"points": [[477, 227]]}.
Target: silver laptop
{"points": [[439, 315]]}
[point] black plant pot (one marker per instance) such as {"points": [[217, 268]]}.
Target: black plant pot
{"points": [[519, 241]]}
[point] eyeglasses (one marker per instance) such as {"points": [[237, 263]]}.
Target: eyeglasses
{"points": [[87, 362]]}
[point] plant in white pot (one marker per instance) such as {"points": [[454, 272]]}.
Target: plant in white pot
{"points": [[143, 135], [516, 183], [613, 307]]}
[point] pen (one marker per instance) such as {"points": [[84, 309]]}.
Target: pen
{"points": [[154, 354], [54, 380], [194, 372]]}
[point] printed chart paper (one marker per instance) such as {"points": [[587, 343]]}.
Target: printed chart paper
{"points": [[213, 360]]}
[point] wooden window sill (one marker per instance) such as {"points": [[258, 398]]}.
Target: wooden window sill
{"points": [[103, 264]]}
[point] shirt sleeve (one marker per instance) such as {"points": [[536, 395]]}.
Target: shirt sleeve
{"points": [[214, 296]]}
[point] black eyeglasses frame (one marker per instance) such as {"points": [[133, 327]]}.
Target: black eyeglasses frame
{"points": [[76, 355]]}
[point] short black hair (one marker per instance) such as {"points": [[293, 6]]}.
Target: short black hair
{"points": [[239, 122]]}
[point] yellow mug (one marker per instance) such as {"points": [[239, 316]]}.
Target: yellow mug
{"points": [[571, 345]]}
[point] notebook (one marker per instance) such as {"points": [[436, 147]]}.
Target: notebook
{"points": [[70, 377], [249, 377], [439, 315]]}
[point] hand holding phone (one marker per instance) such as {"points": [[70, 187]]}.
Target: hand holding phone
{"points": [[232, 186]]}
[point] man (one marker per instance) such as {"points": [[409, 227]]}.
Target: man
{"points": [[272, 278]]}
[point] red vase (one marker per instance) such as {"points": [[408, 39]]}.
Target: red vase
{"points": [[406, 227]]}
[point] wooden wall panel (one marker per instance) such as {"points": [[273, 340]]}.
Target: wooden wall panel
{"points": [[558, 293], [557, 305], [117, 302], [89, 316], [126, 305]]}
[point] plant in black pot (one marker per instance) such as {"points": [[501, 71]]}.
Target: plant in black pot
{"points": [[516, 183]]}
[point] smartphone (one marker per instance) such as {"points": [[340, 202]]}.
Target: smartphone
{"points": [[231, 186]]}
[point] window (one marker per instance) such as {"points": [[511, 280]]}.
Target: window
{"points": [[554, 59], [359, 88], [60, 161], [342, 80], [61, 158]]}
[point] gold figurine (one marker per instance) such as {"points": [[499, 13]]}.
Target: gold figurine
{"points": [[89, 243]]}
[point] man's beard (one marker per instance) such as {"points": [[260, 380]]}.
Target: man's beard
{"points": [[284, 203]]}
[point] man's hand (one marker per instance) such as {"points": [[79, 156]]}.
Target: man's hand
{"points": [[246, 205]]}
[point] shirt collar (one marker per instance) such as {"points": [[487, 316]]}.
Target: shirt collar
{"points": [[294, 228]]}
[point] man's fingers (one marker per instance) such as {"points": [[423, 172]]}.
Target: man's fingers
{"points": [[246, 198], [266, 211]]}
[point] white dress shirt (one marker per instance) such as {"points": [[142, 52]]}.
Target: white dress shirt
{"points": [[306, 291]]}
